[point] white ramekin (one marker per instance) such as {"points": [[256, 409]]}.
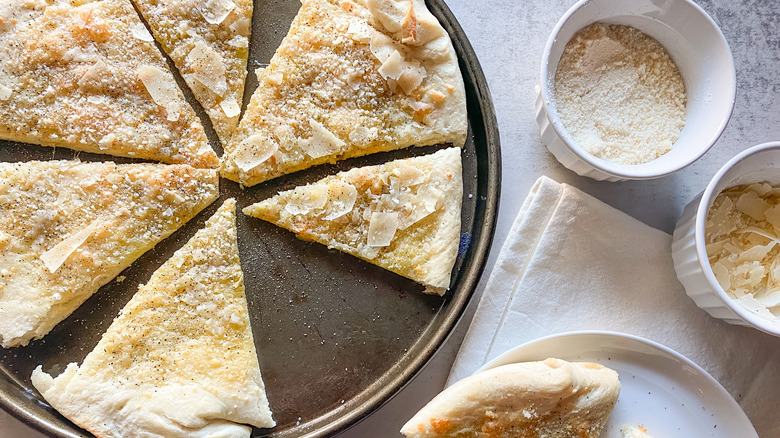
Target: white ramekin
{"points": [[758, 164], [696, 45]]}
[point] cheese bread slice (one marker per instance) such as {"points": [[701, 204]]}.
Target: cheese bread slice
{"points": [[403, 215], [350, 78], [209, 43], [553, 398], [86, 75], [179, 360], [67, 228]]}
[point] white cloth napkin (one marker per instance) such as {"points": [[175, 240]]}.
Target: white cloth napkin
{"points": [[571, 262]]}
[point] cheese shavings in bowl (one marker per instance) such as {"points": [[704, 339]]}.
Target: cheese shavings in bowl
{"points": [[742, 233]]}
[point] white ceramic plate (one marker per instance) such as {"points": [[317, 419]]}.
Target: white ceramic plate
{"points": [[660, 389]]}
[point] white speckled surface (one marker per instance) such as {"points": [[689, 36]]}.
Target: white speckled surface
{"points": [[508, 37]]}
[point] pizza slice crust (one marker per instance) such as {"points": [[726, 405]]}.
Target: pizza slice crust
{"points": [[403, 216], [179, 360], [115, 213], [86, 75], [345, 83], [208, 42]]}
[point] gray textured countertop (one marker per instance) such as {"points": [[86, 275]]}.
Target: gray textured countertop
{"points": [[509, 37]]}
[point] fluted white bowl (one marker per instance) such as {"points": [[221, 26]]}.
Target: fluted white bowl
{"points": [[758, 164], [700, 51]]}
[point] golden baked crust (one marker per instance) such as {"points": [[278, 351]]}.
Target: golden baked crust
{"points": [[403, 215], [548, 399], [209, 43], [75, 74], [67, 228], [350, 79], [179, 360]]}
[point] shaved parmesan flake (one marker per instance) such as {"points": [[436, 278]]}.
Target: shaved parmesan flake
{"points": [[274, 78], [753, 206], [56, 256], [215, 11], [140, 32], [208, 68], [307, 198], [413, 211], [362, 135], [770, 299], [755, 306], [230, 107], [742, 245], [359, 30], [409, 175], [393, 66], [342, 198], [381, 229], [381, 46], [772, 215], [390, 14], [411, 77], [322, 142], [94, 75], [253, 151], [5, 92], [432, 198], [162, 88]]}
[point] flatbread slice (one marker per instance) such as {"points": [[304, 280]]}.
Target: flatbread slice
{"points": [[86, 75], [209, 43], [403, 215], [67, 228], [350, 79], [553, 398], [179, 360]]}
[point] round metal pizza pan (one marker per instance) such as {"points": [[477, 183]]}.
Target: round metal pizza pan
{"points": [[336, 337]]}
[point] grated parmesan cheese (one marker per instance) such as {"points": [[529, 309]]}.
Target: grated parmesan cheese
{"points": [[742, 233], [619, 94]]}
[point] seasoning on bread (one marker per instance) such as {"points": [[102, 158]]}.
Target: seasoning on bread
{"points": [[350, 79], [86, 75], [209, 43], [179, 360], [403, 215], [67, 228]]}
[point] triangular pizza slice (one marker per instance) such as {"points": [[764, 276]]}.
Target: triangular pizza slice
{"points": [[403, 215], [179, 360], [86, 75], [67, 228], [350, 78], [209, 43]]}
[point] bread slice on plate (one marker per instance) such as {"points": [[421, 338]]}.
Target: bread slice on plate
{"points": [[209, 43], [67, 228], [179, 360], [403, 215], [553, 398], [350, 78], [86, 75]]}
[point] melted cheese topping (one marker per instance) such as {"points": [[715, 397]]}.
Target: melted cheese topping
{"points": [[73, 75], [209, 43], [340, 85], [403, 216], [67, 228]]}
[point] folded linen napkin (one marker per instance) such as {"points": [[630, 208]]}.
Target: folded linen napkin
{"points": [[571, 262]]}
